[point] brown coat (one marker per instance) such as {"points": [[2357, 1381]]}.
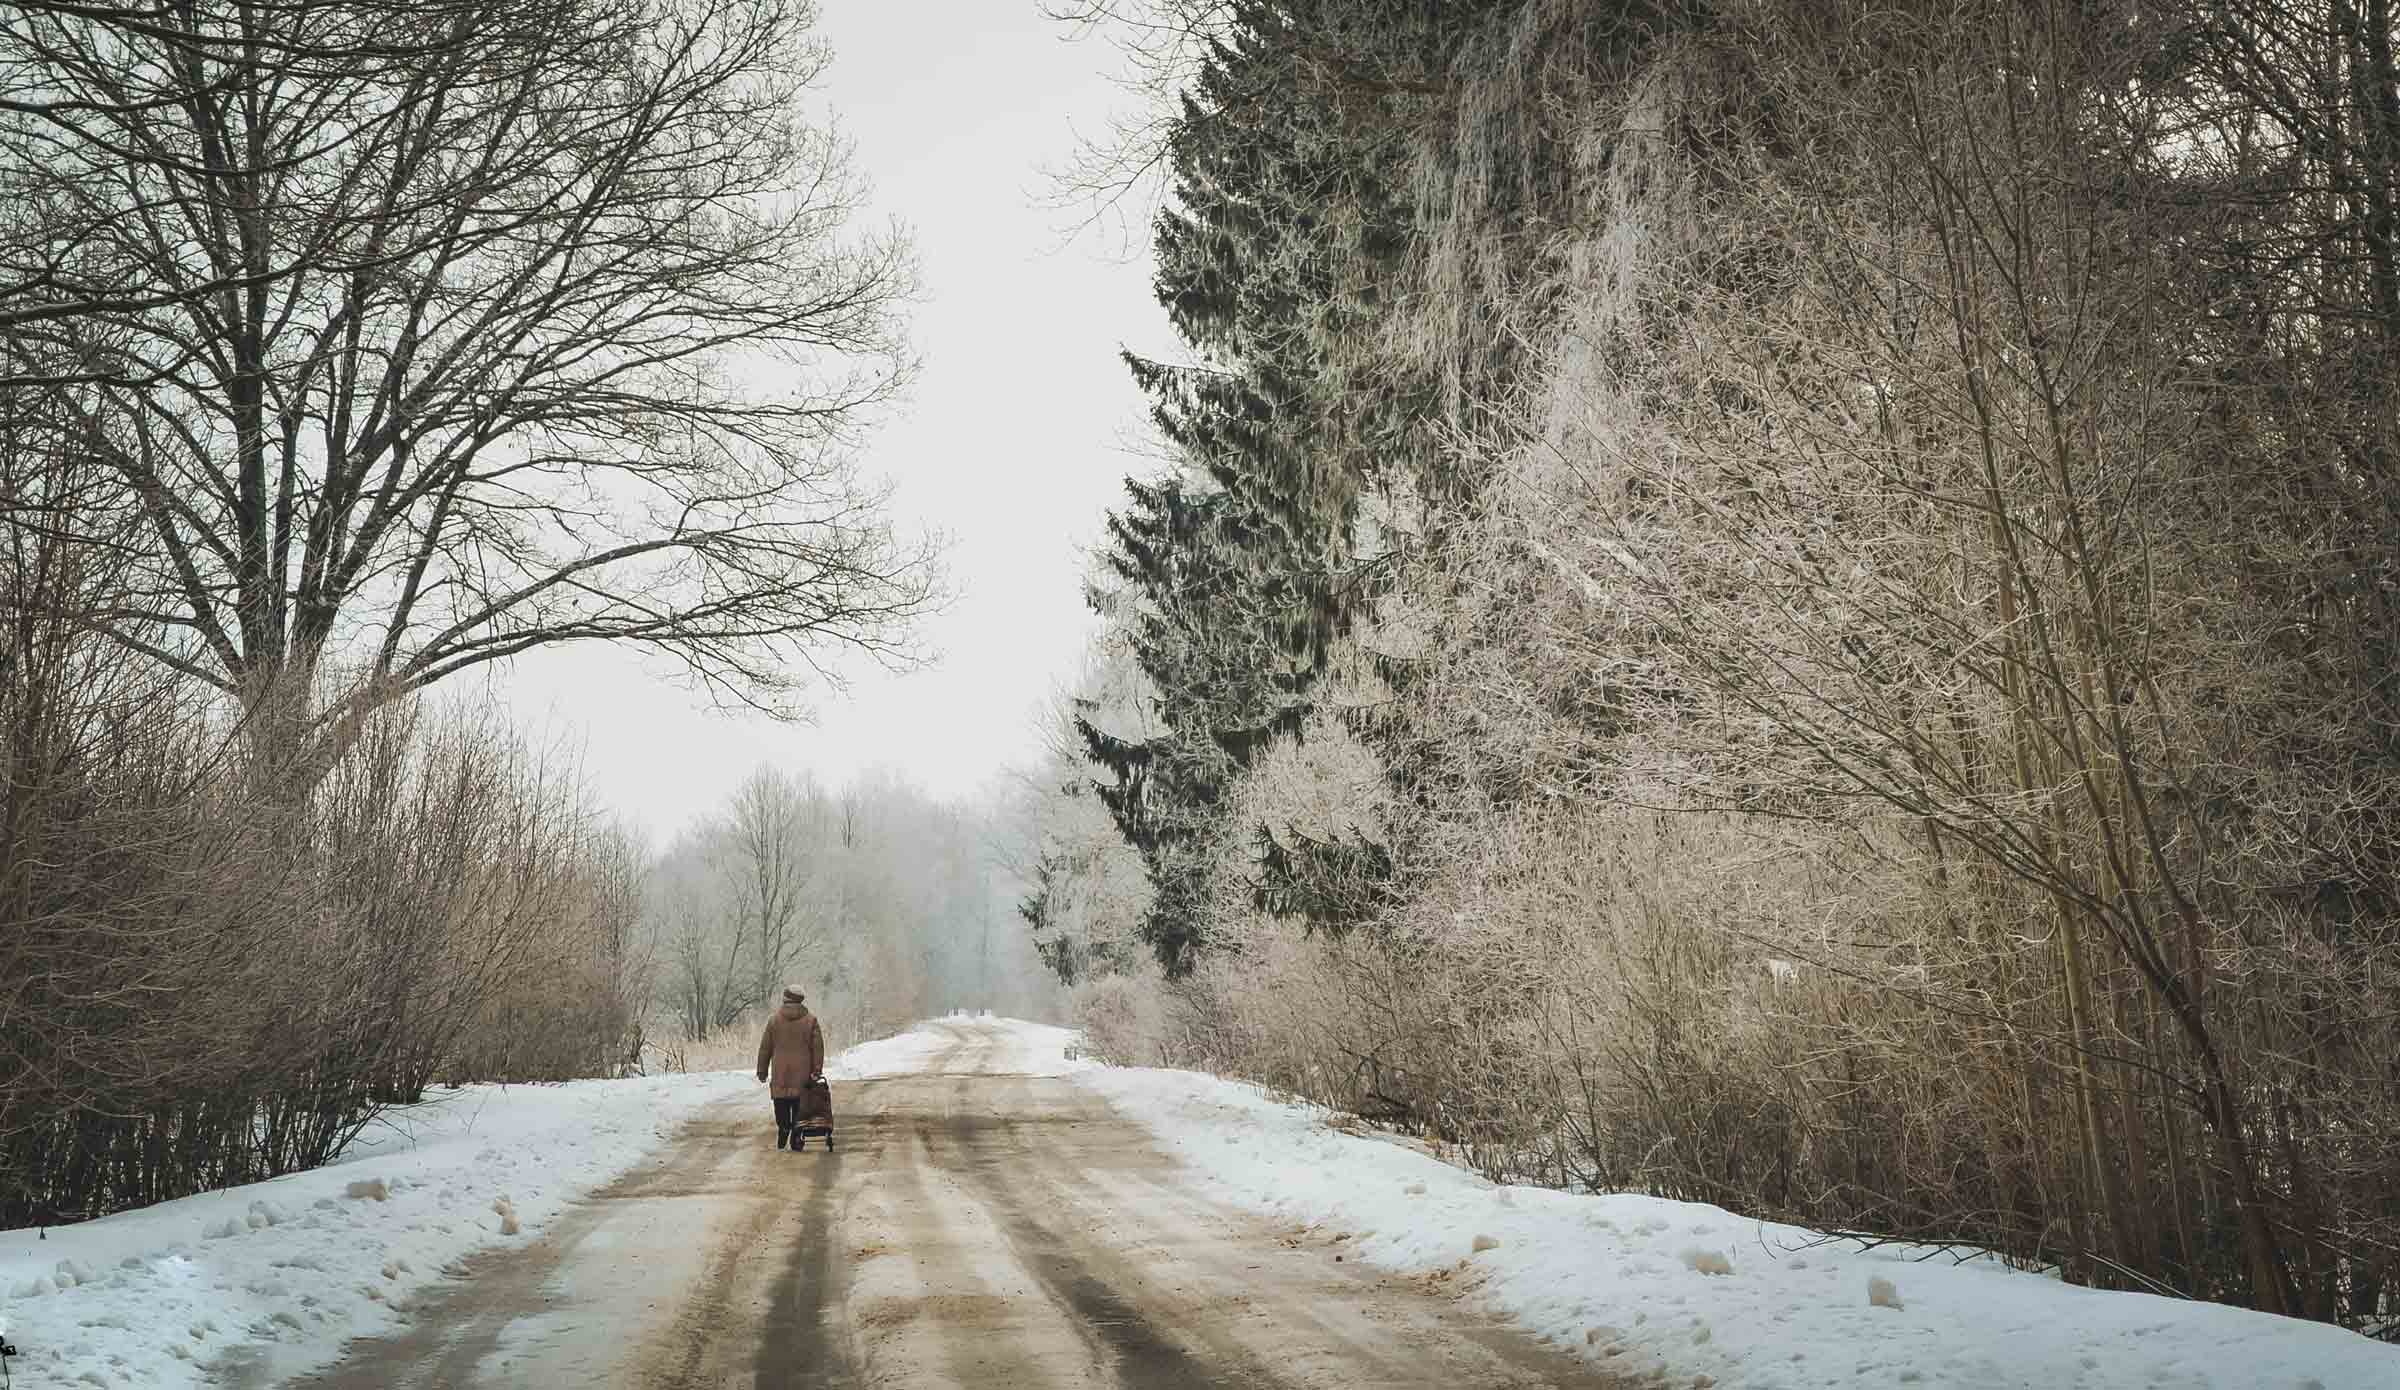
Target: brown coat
{"points": [[791, 1051]]}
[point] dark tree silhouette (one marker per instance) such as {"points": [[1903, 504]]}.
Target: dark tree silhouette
{"points": [[467, 331]]}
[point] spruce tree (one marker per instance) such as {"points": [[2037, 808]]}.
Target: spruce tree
{"points": [[1278, 257]]}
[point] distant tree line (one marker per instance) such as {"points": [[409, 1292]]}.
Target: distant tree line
{"points": [[1793, 606], [347, 346], [883, 904]]}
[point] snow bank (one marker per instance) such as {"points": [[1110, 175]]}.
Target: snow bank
{"points": [[150, 1298], [1700, 1297]]}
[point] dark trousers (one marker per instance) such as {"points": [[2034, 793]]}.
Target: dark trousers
{"points": [[787, 1114]]}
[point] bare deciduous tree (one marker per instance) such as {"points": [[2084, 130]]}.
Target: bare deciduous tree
{"points": [[772, 846], [545, 333], [57, 264]]}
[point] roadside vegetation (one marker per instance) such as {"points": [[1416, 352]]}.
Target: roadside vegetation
{"points": [[1786, 605], [347, 347]]}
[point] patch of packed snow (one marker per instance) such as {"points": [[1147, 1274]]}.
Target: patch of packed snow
{"points": [[892, 1056], [1019, 1048], [1012, 1048], [1680, 1294]]}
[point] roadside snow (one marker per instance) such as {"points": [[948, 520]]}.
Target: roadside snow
{"points": [[1682, 1294], [154, 1298], [1693, 1295]]}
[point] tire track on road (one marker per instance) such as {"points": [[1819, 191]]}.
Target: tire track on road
{"points": [[1248, 1308], [796, 1347], [976, 1228], [807, 1339], [1142, 1355], [455, 1329]]}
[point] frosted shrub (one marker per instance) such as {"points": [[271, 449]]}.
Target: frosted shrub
{"points": [[1121, 1018]]}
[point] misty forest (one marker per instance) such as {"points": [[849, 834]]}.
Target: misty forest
{"points": [[1785, 604]]}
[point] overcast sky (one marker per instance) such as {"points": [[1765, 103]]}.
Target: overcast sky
{"points": [[1012, 442]]}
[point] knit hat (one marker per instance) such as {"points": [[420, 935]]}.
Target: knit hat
{"points": [[792, 995]]}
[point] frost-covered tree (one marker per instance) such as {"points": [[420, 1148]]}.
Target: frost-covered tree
{"points": [[1086, 889], [881, 902], [1878, 704], [1238, 571]]}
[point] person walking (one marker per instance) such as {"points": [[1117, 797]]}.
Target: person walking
{"points": [[791, 1059]]}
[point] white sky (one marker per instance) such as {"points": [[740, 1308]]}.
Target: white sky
{"points": [[1011, 443]]}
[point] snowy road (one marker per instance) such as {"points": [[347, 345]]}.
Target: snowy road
{"points": [[978, 1227]]}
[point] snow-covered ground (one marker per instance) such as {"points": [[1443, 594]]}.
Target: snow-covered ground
{"points": [[1691, 1295], [150, 1298], [1707, 1298]]}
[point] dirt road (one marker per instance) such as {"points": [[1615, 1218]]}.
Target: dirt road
{"points": [[975, 1229]]}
